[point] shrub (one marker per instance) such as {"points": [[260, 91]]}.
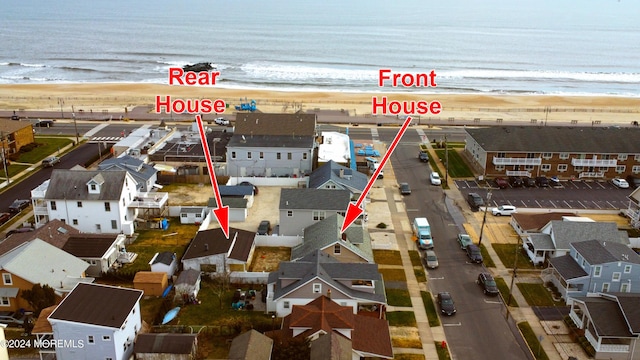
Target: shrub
{"points": [[381, 226]]}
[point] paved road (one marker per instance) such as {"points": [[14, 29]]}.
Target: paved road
{"points": [[479, 329]]}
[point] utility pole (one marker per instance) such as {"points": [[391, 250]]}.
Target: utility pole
{"points": [[446, 162], [4, 158], [61, 102], [513, 277], [75, 125], [484, 218]]}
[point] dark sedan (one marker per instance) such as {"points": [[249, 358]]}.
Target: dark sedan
{"points": [[445, 301], [474, 254], [488, 284]]}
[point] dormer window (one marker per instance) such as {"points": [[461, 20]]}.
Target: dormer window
{"points": [[94, 184]]}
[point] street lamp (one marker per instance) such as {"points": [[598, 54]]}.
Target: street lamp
{"points": [[484, 218], [273, 321]]}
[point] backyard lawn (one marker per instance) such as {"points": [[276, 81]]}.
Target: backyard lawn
{"points": [[398, 297], [393, 275], [457, 166], [537, 295], [387, 257], [507, 254], [46, 147], [401, 318]]}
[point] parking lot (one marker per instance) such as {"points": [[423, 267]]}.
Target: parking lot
{"points": [[578, 195]]}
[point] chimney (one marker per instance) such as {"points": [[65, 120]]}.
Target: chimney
{"points": [[329, 293], [206, 247], [341, 173], [344, 236]]}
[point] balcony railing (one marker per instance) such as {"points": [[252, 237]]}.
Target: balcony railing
{"points": [[150, 200], [612, 348], [517, 161], [518, 173], [594, 162], [40, 210], [592, 174]]}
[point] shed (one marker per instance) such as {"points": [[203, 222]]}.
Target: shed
{"points": [[251, 345], [151, 283], [188, 284], [166, 346], [166, 262], [192, 214]]}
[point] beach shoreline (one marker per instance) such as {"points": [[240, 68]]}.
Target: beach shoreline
{"points": [[100, 97]]}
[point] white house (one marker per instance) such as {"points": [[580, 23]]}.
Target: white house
{"points": [[192, 214], [100, 251], [210, 252], [97, 322], [94, 201], [166, 262]]}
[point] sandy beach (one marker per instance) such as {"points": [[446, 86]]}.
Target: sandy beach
{"points": [[98, 97]]}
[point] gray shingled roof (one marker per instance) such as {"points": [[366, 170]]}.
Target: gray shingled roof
{"points": [[256, 124], [272, 141], [567, 267], [541, 241], [326, 233], [213, 242], [319, 265], [606, 316], [164, 343], [314, 199], [165, 257], [72, 185], [135, 167], [353, 180], [566, 232], [188, 277], [629, 305], [598, 140], [601, 252], [89, 245], [251, 345]]}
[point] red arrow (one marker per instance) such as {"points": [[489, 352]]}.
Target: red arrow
{"points": [[355, 210], [221, 212]]}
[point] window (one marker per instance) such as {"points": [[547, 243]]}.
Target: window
{"points": [[54, 206], [528, 167], [261, 155], [286, 305], [547, 155], [114, 224], [620, 169], [605, 287], [531, 155], [233, 154], [635, 169], [336, 249], [625, 287], [562, 167], [317, 288], [616, 276], [500, 155], [289, 213], [288, 156], [603, 168], [499, 167], [578, 168], [198, 215], [248, 154], [90, 339], [545, 167], [93, 187], [106, 338], [636, 157], [622, 156], [79, 204], [183, 215], [98, 227], [304, 156], [107, 206], [564, 156], [4, 301], [318, 215], [6, 279], [75, 221], [597, 270], [278, 156], [627, 269]]}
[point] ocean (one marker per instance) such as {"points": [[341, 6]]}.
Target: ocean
{"points": [[577, 47]]}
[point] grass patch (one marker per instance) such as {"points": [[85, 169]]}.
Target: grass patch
{"points": [[398, 297], [537, 295], [46, 147], [457, 166], [12, 169], [414, 255], [486, 258], [421, 276], [387, 257], [401, 318], [443, 353], [393, 275], [408, 357], [532, 340], [149, 308], [510, 253], [430, 308], [504, 291]]}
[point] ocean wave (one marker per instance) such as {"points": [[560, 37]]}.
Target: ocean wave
{"points": [[491, 74], [301, 73]]}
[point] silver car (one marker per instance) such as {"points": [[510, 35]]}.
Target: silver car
{"points": [[430, 259]]}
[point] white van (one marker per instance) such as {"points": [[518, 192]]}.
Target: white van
{"points": [[373, 166]]}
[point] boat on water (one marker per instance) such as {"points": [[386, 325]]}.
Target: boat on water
{"points": [[170, 315]]}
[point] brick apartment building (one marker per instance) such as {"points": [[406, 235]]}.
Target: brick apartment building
{"points": [[565, 152], [15, 134]]}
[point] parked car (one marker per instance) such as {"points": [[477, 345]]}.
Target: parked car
{"points": [[620, 183], [423, 156], [501, 183], [542, 181], [4, 217], [221, 121], [464, 240], [434, 178], [445, 301], [18, 205], [488, 284], [529, 182], [430, 259], [264, 228], [474, 254], [50, 161], [246, 183], [405, 189], [12, 318], [475, 201], [516, 181], [504, 210], [554, 181], [43, 123], [633, 181]]}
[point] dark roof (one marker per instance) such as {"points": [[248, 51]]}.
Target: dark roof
{"points": [[213, 242], [165, 257], [188, 277], [95, 304], [331, 346], [72, 185], [601, 252], [11, 126], [54, 232], [606, 316], [272, 141], [598, 140], [192, 209], [257, 124], [250, 345], [535, 222], [314, 199], [567, 267], [629, 305], [350, 179], [165, 343], [236, 190], [89, 245]]}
